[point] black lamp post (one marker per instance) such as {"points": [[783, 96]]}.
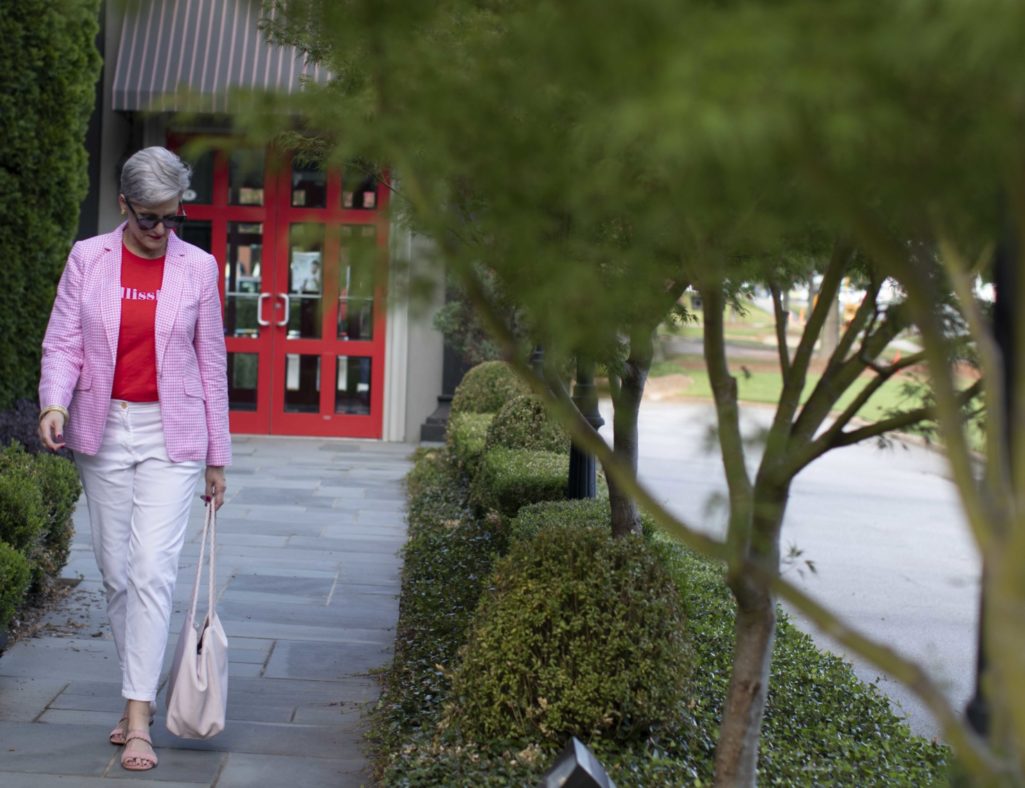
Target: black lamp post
{"points": [[537, 360], [1004, 281], [582, 470]]}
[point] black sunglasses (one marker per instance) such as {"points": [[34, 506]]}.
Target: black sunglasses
{"points": [[148, 220]]}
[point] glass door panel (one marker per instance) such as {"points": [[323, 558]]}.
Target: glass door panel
{"points": [[243, 381], [356, 287], [305, 281], [353, 385], [246, 177], [308, 187], [359, 187], [243, 298], [301, 392], [198, 233], [201, 187]]}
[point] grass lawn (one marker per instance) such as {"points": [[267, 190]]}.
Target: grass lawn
{"points": [[757, 384], [759, 380]]}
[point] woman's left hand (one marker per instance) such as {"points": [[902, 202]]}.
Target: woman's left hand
{"points": [[215, 485]]}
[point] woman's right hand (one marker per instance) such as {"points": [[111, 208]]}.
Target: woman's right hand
{"points": [[51, 430]]}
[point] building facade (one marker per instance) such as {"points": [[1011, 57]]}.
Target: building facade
{"points": [[321, 339]]}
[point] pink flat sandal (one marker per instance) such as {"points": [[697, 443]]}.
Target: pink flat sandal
{"points": [[117, 736], [136, 761]]}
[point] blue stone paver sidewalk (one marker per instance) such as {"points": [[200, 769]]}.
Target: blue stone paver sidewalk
{"points": [[308, 577]]}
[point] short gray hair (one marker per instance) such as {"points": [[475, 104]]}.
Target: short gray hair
{"points": [[154, 176]]}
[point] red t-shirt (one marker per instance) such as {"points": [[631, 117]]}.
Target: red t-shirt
{"points": [[135, 375]]}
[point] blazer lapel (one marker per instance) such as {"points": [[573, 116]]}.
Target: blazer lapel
{"points": [[170, 295], [110, 291]]}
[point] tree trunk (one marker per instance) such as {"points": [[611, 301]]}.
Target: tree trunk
{"points": [[626, 519], [736, 754], [830, 331]]}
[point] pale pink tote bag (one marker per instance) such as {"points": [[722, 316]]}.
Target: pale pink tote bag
{"points": [[197, 689]]}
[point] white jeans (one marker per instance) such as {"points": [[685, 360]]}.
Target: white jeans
{"points": [[138, 509]]}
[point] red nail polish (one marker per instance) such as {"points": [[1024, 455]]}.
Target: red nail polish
{"points": [[60, 437]]}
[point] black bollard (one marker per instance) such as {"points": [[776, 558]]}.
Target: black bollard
{"points": [[582, 468]]}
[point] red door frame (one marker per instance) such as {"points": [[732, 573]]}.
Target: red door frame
{"points": [[272, 344]]}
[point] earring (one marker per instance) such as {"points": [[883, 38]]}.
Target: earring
{"points": [[122, 211]]}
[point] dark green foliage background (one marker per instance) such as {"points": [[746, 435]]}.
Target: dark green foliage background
{"points": [[48, 69]]}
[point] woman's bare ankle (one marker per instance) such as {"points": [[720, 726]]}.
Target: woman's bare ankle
{"points": [[138, 712]]}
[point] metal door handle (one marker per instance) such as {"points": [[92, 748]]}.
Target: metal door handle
{"points": [[259, 309], [284, 320]]}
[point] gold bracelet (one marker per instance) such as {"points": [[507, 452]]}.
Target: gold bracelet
{"points": [[51, 408]]}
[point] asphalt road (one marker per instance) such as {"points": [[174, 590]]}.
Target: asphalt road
{"points": [[883, 527]]}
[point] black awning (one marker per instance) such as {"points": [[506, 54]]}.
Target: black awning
{"points": [[203, 48]]}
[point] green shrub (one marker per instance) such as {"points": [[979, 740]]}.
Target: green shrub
{"points": [[447, 559], [15, 574], [22, 513], [48, 70], [507, 479], [38, 493], [523, 423], [822, 726], [581, 634], [593, 512], [61, 488], [465, 438], [486, 388]]}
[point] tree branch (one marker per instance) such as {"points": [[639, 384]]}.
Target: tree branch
{"points": [[731, 442], [868, 308], [835, 439], [793, 385], [838, 378], [877, 240], [782, 318], [883, 374], [990, 363]]}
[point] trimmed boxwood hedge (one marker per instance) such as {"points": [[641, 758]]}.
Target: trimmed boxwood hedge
{"points": [[523, 423], [22, 513], [822, 725], [486, 388], [507, 479], [48, 69], [61, 488], [447, 560], [585, 513], [38, 493], [465, 437], [15, 576], [578, 634]]}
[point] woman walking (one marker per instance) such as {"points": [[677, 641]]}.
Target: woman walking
{"points": [[134, 383]]}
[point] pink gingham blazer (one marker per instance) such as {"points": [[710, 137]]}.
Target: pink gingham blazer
{"points": [[80, 349]]}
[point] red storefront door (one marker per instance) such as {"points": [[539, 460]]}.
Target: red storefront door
{"points": [[304, 255]]}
